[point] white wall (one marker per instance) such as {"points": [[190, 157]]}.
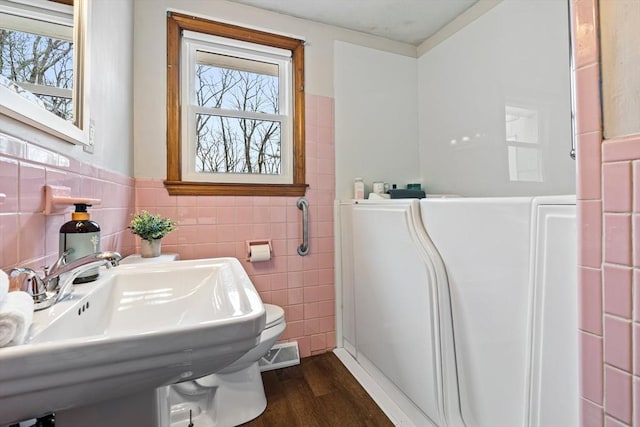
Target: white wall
{"points": [[376, 112], [150, 62], [110, 91], [517, 54]]}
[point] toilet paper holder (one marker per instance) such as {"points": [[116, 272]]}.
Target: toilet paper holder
{"points": [[256, 243]]}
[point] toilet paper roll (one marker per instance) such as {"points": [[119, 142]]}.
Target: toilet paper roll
{"points": [[260, 253]]}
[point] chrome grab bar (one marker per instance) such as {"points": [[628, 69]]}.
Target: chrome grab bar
{"points": [[303, 205]]}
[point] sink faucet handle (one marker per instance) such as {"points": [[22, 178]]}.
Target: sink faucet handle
{"points": [[112, 258], [60, 261], [28, 281]]}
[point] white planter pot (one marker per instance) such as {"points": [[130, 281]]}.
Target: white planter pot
{"points": [[150, 248]]}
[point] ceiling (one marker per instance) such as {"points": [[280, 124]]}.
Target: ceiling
{"points": [[408, 21]]}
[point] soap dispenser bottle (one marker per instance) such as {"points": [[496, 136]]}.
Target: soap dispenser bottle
{"points": [[80, 237]]}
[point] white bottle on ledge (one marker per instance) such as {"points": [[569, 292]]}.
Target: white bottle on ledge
{"points": [[358, 189]]}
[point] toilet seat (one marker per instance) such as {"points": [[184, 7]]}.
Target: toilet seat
{"points": [[275, 314]]}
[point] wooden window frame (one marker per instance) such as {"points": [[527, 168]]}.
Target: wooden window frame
{"points": [[176, 23]]}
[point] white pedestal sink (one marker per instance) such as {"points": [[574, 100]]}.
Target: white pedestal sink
{"points": [[138, 327]]}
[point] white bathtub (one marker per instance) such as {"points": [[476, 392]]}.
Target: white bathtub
{"points": [[489, 341]]}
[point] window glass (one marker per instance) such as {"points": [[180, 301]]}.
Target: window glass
{"points": [[235, 110], [36, 58]]}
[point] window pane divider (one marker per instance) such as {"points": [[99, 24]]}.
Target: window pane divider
{"points": [[238, 114]]}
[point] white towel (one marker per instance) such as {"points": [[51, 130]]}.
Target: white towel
{"points": [[16, 315], [4, 285]]}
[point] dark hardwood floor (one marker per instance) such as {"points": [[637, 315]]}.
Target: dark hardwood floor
{"points": [[319, 392]]}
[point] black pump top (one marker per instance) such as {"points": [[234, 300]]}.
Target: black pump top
{"points": [[81, 207]]}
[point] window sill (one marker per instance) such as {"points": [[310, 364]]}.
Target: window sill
{"points": [[25, 111], [187, 188]]}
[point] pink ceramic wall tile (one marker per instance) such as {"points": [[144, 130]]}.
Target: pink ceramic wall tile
{"points": [[325, 150], [310, 262], [226, 233], [295, 329], [41, 155], [204, 250], [617, 290], [295, 296], [8, 185], [311, 293], [617, 343], [636, 295], [8, 241], [327, 324], [294, 312], [226, 215], [162, 198], [278, 231], [145, 197], [31, 229], [294, 264], [636, 239], [591, 367], [616, 178], [620, 149], [261, 215], [206, 215], [311, 110], [311, 326], [279, 298], [325, 276], [636, 185], [331, 340], [326, 308], [310, 278], [636, 402], [241, 214], [279, 281], [325, 292], [318, 342], [304, 346], [31, 188], [585, 32], [277, 214], [618, 392], [294, 278], [187, 215], [325, 261], [612, 422], [590, 300], [588, 117], [617, 238], [325, 112], [636, 348]]}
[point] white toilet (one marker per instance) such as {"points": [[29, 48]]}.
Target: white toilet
{"points": [[229, 397], [233, 395]]}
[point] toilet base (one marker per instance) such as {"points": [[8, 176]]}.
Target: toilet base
{"points": [[235, 398]]}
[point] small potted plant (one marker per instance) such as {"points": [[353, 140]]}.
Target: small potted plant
{"points": [[151, 229]]}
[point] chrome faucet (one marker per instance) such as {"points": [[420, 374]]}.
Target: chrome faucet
{"points": [[57, 283]]}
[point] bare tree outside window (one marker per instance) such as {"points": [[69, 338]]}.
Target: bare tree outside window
{"points": [[41, 65], [234, 143]]}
